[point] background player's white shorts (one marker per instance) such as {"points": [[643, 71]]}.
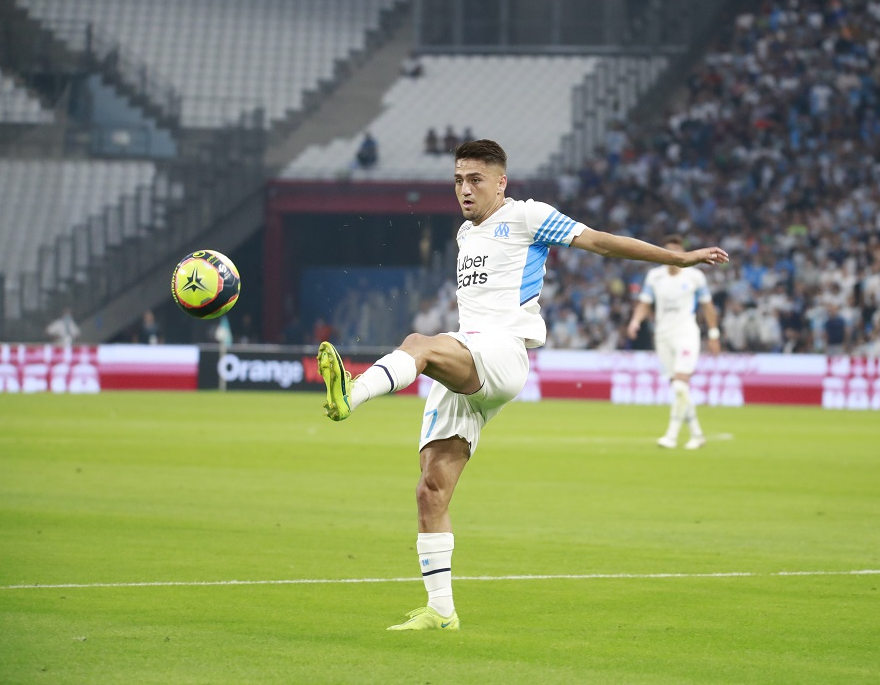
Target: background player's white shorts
{"points": [[678, 354], [502, 366]]}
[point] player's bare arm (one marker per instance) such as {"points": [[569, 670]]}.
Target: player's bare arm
{"points": [[640, 313], [610, 245], [711, 316]]}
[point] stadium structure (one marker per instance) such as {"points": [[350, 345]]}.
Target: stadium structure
{"points": [[132, 133]]}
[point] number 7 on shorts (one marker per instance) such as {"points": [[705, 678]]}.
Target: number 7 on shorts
{"points": [[433, 415]]}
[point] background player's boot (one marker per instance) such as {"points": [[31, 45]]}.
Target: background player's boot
{"points": [[337, 380], [426, 618], [695, 443], [667, 442]]}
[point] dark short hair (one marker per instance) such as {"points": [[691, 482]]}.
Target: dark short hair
{"points": [[673, 238], [487, 151]]}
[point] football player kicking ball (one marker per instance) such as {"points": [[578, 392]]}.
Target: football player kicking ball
{"points": [[503, 246], [674, 293]]}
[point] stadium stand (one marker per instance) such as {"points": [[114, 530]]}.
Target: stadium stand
{"points": [[458, 91], [17, 106], [772, 150], [236, 71], [224, 57]]}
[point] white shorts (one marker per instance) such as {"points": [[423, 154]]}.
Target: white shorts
{"points": [[678, 354], [502, 366]]}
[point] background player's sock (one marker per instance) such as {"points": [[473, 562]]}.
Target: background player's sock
{"points": [[681, 398], [435, 561], [391, 373], [693, 423]]}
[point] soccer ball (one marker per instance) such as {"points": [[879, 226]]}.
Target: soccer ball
{"points": [[205, 284]]}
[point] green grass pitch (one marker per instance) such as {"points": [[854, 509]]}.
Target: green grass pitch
{"points": [[152, 502]]}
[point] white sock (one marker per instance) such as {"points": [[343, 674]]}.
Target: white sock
{"points": [[391, 373], [435, 561], [681, 398]]}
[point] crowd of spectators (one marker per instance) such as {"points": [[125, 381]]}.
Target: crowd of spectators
{"points": [[774, 154]]}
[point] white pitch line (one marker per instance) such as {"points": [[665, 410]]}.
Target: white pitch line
{"points": [[595, 439], [348, 581]]}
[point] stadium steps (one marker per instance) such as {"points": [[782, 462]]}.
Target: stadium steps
{"points": [[31, 53], [134, 80], [345, 107], [47, 56]]}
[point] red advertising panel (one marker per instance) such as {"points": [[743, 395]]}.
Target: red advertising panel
{"points": [[92, 368], [727, 380]]}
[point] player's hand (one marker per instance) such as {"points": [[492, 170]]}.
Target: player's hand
{"points": [[706, 255], [632, 330], [714, 346]]}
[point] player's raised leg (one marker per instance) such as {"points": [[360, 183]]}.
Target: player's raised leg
{"points": [[337, 380], [440, 357]]}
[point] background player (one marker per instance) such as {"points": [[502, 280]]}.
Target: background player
{"points": [[674, 293], [503, 246]]}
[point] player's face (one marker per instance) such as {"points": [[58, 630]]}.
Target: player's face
{"points": [[479, 188]]}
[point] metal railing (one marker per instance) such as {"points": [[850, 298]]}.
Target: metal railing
{"points": [[102, 50]]}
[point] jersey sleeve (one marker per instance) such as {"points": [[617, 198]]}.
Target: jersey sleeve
{"points": [[647, 293], [549, 226], [702, 292]]}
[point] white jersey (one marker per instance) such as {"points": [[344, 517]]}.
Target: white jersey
{"points": [[675, 299], [501, 269]]}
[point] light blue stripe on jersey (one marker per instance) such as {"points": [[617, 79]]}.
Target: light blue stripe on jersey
{"points": [[555, 229], [533, 272], [701, 294], [549, 226]]}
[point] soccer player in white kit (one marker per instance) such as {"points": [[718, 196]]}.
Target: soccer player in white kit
{"points": [[674, 294], [503, 245]]}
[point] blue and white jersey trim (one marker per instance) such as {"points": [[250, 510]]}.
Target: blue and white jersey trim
{"points": [[555, 229], [533, 272]]}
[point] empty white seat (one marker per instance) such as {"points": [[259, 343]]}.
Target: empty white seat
{"points": [[17, 106]]}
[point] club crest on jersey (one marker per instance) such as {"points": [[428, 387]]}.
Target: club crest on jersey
{"points": [[503, 231]]}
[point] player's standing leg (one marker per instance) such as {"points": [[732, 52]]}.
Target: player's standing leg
{"points": [[667, 354], [442, 462], [682, 410], [449, 362], [678, 357], [697, 439]]}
